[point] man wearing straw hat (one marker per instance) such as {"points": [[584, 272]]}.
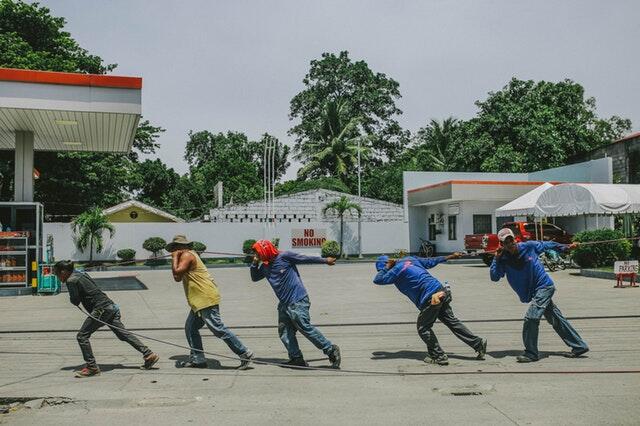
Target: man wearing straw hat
{"points": [[204, 299]]}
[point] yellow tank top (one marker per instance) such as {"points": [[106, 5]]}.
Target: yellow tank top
{"points": [[199, 287]]}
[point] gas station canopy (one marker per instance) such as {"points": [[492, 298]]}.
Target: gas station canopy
{"points": [[58, 111], [68, 111]]}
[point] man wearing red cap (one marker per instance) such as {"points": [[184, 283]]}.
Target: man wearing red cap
{"points": [[526, 275], [279, 268]]}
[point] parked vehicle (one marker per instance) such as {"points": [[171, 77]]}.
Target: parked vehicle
{"points": [[487, 244]]}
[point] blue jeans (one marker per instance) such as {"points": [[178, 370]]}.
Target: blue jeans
{"points": [[211, 318], [295, 317], [541, 304]]}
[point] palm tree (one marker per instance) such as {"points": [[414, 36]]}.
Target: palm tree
{"points": [[340, 207], [336, 151], [88, 229], [435, 141]]}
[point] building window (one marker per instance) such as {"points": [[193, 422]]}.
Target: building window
{"points": [[432, 231], [452, 227], [481, 223]]}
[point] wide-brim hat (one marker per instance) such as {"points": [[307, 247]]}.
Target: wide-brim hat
{"points": [[178, 240]]}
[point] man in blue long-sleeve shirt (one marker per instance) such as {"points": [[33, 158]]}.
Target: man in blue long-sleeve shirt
{"points": [[411, 277], [526, 275], [279, 268]]}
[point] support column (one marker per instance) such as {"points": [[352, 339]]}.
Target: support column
{"points": [[23, 177]]}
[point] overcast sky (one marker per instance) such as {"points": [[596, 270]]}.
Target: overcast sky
{"points": [[235, 65]]}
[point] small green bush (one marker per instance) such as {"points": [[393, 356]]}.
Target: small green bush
{"points": [[246, 249], [199, 247], [595, 255], [155, 245], [246, 246], [126, 254], [330, 248]]}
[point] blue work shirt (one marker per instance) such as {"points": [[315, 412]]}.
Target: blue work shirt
{"points": [[410, 276], [283, 275], [524, 271]]}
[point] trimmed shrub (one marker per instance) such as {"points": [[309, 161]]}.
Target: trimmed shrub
{"points": [[155, 245], [330, 248], [593, 256], [199, 247], [126, 254], [246, 246], [246, 249]]}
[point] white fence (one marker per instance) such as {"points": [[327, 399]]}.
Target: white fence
{"points": [[377, 237]]}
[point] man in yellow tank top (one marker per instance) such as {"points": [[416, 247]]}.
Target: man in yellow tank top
{"points": [[204, 299]]}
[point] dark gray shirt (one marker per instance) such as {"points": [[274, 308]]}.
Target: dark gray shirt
{"points": [[82, 289]]}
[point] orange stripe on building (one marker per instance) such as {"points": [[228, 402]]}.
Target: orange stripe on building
{"points": [[69, 78]]}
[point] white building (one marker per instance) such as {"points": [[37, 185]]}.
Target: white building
{"points": [[443, 207]]}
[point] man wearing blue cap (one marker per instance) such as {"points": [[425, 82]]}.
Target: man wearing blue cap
{"points": [[410, 276]]}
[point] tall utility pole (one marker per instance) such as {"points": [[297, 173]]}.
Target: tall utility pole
{"points": [[268, 178], [359, 215]]}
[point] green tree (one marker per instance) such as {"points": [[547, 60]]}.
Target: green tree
{"points": [[31, 38], [529, 126], [88, 230], [233, 159], [151, 180], [340, 207], [335, 152], [358, 93], [435, 144]]}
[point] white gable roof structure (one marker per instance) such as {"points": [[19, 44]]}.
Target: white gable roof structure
{"points": [[142, 206]]}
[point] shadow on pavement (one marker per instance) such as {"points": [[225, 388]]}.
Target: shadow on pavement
{"points": [[419, 355], [212, 364], [515, 353], [105, 367]]}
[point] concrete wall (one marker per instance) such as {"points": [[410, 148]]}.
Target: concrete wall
{"points": [[595, 171], [377, 237]]}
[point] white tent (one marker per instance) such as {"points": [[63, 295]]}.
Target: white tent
{"points": [[572, 199], [525, 205]]}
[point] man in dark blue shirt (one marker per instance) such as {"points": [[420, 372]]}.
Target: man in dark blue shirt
{"points": [[527, 277], [411, 277], [279, 268]]}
